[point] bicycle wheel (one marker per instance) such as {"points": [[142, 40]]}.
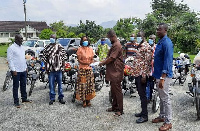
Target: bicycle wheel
{"points": [[7, 82]]}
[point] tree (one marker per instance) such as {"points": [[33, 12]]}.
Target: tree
{"points": [[61, 33], [90, 29], [125, 27], [58, 25], [71, 35], [45, 34]]}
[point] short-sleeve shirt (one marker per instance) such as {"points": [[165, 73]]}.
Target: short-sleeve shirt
{"points": [[115, 69], [86, 54]]}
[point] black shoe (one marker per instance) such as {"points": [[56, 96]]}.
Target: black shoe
{"points": [[27, 101], [17, 105], [141, 120], [51, 102], [138, 115], [61, 101]]}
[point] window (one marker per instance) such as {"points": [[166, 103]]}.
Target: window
{"points": [[40, 44]]}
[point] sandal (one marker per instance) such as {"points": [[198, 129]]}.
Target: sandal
{"points": [[110, 110], [118, 113]]}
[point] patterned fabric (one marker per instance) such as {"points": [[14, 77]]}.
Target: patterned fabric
{"points": [[131, 49], [85, 55], [152, 61], [103, 51], [142, 61], [85, 89], [54, 56]]}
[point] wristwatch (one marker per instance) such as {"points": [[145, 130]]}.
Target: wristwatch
{"points": [[161, 78]]}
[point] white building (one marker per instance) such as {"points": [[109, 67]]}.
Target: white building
{"points": [[8, 29]]}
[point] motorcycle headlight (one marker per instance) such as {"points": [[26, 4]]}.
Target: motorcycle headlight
{"points": [[37, 66]]}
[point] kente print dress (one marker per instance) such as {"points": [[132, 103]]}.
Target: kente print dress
{"points": [[85, 87]]}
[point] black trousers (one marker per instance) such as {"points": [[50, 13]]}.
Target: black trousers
{"points": [[141, 88], [19, 80]]}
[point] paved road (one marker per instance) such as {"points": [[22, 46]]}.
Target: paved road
{"points": [[39, 116]]}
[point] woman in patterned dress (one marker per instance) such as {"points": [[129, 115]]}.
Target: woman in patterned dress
{"points": [[85, 90]]}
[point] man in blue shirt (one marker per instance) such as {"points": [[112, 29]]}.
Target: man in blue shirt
{"points": [[163, 58]]}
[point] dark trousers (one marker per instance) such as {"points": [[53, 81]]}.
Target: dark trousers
{"points": [[117, 96], [151, 82], [20, 78], [141, 88]]}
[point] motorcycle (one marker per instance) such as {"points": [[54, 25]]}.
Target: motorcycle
{"points": [[194, 88], [33, 73]]}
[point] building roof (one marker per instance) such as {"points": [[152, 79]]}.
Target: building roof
{"points": [[15, 26]]}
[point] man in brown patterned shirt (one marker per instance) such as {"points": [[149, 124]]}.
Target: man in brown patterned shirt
{"points": [[141, 70], [54, 58]]}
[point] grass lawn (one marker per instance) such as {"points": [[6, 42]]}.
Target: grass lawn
{"points": [[3, 49]]}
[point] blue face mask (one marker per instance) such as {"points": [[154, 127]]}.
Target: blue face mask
{"points": [[52, 40], [103, 42], [150, 42], [139, 39], [132, 38], [85, 43]]}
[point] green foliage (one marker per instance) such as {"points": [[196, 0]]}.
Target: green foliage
{"points": [[45, 34], [61, 33], [90, 29], [125, 27], [71, 35], [81, 35], [58, 25]]}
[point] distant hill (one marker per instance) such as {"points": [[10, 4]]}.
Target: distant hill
{"points": [[72, 25], [108, 24]]}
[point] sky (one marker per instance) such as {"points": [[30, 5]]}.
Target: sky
{"points": [[72, 11]]}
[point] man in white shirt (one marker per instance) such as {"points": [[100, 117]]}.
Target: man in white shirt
{"points": [[17, 65]]}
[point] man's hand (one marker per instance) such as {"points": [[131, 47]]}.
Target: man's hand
{"points": [[14, 73], [100, 64], [161, 83]]}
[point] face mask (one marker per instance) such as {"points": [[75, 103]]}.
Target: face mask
{"points": [[85, 43], [52, 40], [139, 39], [150, 42], [103, 42], [132, 38]]}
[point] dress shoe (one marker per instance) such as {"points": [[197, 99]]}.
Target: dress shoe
{"points": [[27, 101], [51, 102], [88, 102], [158, 119], [165, 127], [141, 120], [138, 115], [61, 101], [17, 105]]}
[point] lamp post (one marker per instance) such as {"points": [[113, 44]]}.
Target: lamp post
{"points": [[25, 18]]}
